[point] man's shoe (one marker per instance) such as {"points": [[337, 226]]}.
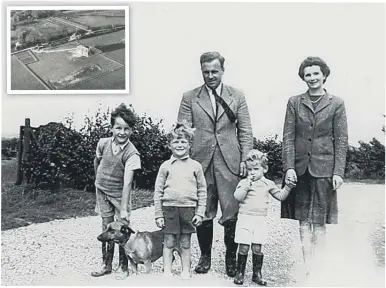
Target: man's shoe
{"points": [[203, 265]]}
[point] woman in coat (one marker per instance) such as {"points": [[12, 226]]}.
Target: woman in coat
{"points": [[315, 144]]}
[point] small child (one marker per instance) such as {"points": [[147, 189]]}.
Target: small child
{"points": [[115, 162], [179, 198], [251, 228]]}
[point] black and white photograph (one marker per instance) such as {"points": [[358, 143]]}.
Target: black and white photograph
{"points": [[67, 49], [249, 150]]}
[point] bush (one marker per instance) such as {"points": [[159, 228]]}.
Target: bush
{"points": [[271, 146], [62, 156], [367, 161]]}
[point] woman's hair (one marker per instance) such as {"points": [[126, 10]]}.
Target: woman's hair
{"points": [[180, 130], [256, 157], [314, 61], [125, 113], [210, 56]]}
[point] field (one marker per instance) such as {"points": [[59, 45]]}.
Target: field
{"points": [[26, 57], [21, 79], [98, 21], [112, 80], [105, 40], [61, 69]]}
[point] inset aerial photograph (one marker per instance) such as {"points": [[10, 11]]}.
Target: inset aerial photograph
{"points": [[67, 49]]}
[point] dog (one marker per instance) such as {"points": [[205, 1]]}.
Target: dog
{"points": [[140, 247]]}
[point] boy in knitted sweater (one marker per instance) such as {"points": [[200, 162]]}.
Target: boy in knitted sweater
{"points": [[114, 164], [251, 228], [179, 198]]}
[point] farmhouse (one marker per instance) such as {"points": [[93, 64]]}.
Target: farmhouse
{"points": [[83, 50]]}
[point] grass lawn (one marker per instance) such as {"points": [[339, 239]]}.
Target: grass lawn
{"points": [[21, 206]]}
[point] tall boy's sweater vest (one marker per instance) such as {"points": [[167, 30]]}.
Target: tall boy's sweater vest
{"points": [[111, 168]]}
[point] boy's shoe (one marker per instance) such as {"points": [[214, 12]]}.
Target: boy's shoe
{"points": [[123, 261], [257, 261], [107, 256], [241, 263]]}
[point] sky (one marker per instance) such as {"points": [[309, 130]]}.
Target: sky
{"points": [[263, 45]]}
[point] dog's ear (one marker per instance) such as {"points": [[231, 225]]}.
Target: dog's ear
{"points": [[126, 230]]}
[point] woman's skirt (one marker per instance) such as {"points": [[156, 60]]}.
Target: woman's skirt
{"points": [[313, 199]]}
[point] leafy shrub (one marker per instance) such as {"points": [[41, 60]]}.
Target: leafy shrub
{"points": [[62, 156], [367, 161], [271, 146]]}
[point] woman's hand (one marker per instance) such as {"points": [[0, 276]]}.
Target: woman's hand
{"points": [[337, 182], [160, 222], [290, 177]]}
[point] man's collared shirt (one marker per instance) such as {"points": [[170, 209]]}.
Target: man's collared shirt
{"points": [[211, 96]]}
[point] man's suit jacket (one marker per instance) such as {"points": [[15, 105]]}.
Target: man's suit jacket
{"points": [[315, 139], [234, 139]]}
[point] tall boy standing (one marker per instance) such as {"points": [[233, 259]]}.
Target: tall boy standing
{"points": [[115, 162]]}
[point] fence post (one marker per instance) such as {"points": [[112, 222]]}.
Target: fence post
{"points": [[19, 173], [27, 140]]}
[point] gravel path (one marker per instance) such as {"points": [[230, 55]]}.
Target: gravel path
{"points": [[64, 252]]}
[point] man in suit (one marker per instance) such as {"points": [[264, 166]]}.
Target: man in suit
{"points": [[222, 140]]}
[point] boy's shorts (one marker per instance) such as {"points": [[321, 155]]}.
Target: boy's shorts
{"points": [[251, 229], [108, 206], [178, 220]]}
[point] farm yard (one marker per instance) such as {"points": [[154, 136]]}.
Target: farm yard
{"points": [[61, 66]]}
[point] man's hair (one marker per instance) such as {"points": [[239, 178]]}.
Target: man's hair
{"points": [[210, 56], [125, 113], [180, 130], [256, 157], [314, 61]]}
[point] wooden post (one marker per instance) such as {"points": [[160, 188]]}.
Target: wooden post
{"points": [[19, 173], [27, 140]]}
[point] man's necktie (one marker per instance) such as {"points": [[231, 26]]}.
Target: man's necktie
{"points": [[228, 111]]}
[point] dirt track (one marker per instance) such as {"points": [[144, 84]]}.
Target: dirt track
{"points": [[65, 252]]}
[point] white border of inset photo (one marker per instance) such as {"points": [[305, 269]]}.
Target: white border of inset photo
{"points": [[53, 91]]}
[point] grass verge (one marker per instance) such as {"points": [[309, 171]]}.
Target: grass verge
{"points": [[21, 208]]}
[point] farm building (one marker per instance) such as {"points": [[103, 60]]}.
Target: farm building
{"points": [[83, 50]]}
